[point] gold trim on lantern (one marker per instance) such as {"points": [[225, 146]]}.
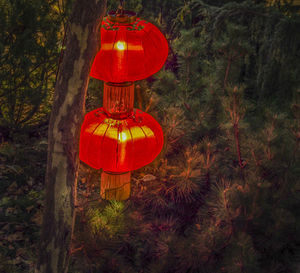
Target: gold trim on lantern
{"points": [[119, 84]]}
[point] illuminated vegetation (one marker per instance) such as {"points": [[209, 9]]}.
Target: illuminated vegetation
{"points": [[222, 197]]}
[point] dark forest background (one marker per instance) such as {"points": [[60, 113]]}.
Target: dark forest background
{"points": [[224, 194]]}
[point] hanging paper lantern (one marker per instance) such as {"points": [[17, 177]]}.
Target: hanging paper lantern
{"points": [[131, 49], [119, 139], [119, 146]]}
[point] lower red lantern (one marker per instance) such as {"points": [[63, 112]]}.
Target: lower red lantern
{"points": [[119, 145], [119, 139]]}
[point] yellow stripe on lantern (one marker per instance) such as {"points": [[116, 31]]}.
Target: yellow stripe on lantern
{"points": [[100, 131], [121, 46], [137, 132], [91, 128], [148, 132], [124, 136], [112, 133]]}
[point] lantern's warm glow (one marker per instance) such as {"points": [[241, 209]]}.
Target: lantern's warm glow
{"points": [[135, 132], [121, 45], [118, 138], [124, 136], [129, 51], [119, 145]]}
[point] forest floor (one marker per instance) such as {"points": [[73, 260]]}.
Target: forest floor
{"points": [[22, 170]]}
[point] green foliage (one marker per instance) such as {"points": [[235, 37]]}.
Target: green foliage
{"points": [[28, 58], [21, 199], [109, 220], [223, 196]]}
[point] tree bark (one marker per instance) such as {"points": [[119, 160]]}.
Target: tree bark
{"points": [[63, 136]]}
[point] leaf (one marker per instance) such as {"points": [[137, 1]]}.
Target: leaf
{"points": [[4, 201], [18, 236], [29, 209], [37, 218], [14, 168], [149, 178]]}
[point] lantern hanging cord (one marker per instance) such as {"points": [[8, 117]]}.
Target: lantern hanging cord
{"points": [[120, 10]]}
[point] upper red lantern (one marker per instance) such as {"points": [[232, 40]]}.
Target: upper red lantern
{"points": [[131, 49], [122, 145]]}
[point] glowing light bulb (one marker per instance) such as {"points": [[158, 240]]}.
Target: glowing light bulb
{"points": [[120, 45], [123, 136]]}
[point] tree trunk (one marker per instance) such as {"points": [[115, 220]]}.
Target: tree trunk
{"points": [[63, 136]]}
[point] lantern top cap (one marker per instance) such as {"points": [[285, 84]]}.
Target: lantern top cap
{"points": [[122, 16]]}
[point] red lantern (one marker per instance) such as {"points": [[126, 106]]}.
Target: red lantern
{"points": [[119, 145], [131, 49], [119, 139]]}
